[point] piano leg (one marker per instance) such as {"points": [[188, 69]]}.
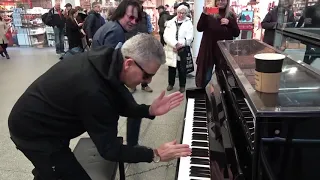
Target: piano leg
{"points": [[256, 157]]}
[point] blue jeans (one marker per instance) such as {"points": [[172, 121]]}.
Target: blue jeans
{"points": [[133, 130], [208, 76], [59, 39]]}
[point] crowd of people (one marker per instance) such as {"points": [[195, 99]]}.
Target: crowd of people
{"points": [[95, 90]]}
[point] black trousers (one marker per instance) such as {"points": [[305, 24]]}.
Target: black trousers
{"points": [[133, 130], [162, 39], [182, 75], [4, 47], [52, 161]]}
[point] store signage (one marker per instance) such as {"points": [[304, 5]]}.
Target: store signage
{"points": [[245, 26]]}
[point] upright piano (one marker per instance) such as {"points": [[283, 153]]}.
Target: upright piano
{"points": [[238, 133]]}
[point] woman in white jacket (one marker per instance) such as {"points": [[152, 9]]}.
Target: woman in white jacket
{"points": [[177, 34]]}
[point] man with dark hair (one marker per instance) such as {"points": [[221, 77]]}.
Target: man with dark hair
{"points": [[143, 26], [94, 21], [124, 19]]}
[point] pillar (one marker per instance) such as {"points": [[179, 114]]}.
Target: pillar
{"points": [[198, 9]]}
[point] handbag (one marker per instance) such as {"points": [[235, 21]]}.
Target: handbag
{"points": [[186, 59], [1, 49]]}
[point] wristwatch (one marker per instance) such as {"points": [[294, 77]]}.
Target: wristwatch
{"points": [[156, 157]]}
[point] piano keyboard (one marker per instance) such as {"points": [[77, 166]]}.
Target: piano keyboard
{"points": [[248, 120], [197, 166]]}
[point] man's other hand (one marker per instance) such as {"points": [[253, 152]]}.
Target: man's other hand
{"points": [[164, 104], [172, 150]]}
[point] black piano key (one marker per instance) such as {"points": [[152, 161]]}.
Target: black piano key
{"points": [[247, 113], [196, 136], [200, 161], [200, 144], [200, 105], [199, 168], [204, 119], [199, 130], [199, 152], [200, 171], [201, 114], [199, 124], [200, 100], [200, 175], [200, 109], [248, 118], [242, 104], [203, 101], [244, 108]]}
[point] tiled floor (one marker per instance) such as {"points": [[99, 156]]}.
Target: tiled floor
{"points": [[26, 64]]}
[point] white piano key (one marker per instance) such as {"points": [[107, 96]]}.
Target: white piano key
{"points": [[184, 165], [185, 162]]}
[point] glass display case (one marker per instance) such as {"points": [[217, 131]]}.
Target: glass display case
{"points": [[299, 37]]}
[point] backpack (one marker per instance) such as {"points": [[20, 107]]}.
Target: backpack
{"points": [[46, 19]]}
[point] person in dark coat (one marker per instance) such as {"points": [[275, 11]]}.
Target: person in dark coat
{"points": [[222, 26], [143, 26], [270, 22], [125, 18], [163, 17], [73, 29], [89, 95], [58, 22], [94, 21]]}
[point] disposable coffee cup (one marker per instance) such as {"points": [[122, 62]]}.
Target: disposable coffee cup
{"points": [[268, 72]]}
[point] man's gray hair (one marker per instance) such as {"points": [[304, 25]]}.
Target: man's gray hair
{"points": [[143, 48], [183, 7]]}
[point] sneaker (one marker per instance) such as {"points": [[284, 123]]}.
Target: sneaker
{"points": [[147, 89], [169, 88], [2, 54], [182, 89], [190, 76]]}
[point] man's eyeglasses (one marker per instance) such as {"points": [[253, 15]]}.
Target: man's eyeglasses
{"points": [[131, 17], [146, 75]]}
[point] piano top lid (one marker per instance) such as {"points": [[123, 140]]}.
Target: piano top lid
{"points": [[299, 93]]}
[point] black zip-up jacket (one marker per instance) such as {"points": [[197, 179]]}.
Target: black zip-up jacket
{"points": [[93, 22], [82, 93], [57, 20], [164, 15]]}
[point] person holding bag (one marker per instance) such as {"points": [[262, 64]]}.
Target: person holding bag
{"points": [[178, 36], [3, 39]]}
